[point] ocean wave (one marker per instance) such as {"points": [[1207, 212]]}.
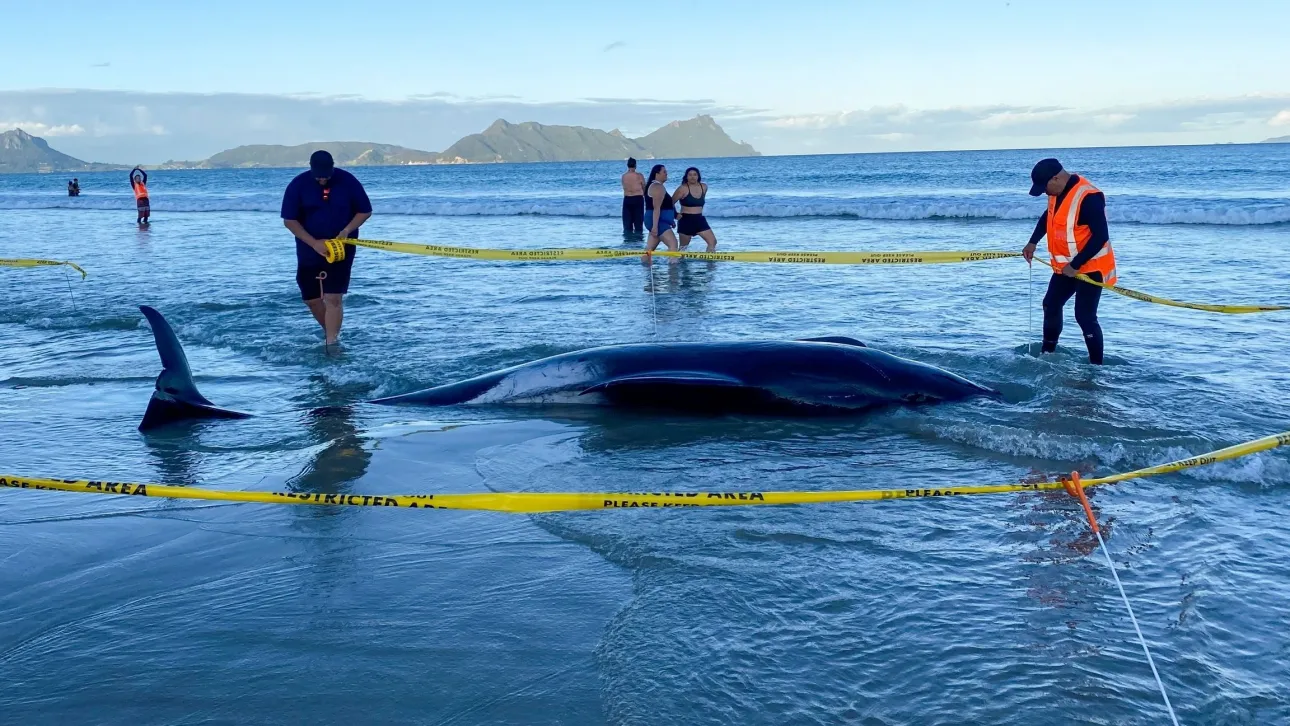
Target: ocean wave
{"points": [[1127, 209]]}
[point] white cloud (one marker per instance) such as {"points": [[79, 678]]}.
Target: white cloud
{"points": [[1186, 121], [36, 128], [131, 127]]}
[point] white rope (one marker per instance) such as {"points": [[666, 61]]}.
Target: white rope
{"points": [[652, 299], [67, 278], [1030, 308], [1151, 662]]}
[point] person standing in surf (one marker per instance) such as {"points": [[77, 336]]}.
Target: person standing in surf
{"points": [[321, 204], [633, 199], [692, 223], [1079, 242], [660, 211], [139, 183]]}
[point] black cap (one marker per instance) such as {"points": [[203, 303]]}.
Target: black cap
{"points": [[1045, 170], [321, 164]]}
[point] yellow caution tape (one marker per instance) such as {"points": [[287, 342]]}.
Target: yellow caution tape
{"points": [[335, 250], [536, 502], [585, 253], [1229, 309], [4, 262]]}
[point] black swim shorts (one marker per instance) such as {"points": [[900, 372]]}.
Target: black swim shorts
{"points": [[692, 224], [335, 282]]}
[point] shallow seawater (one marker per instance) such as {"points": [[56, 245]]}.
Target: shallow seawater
{"points": [[964, 610]]}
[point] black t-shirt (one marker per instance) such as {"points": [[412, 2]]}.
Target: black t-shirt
{"points": [[323, 215], [1092, 213]]}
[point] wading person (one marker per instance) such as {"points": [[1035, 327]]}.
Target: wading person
{"points": [[633, 199], [321, 204], [660, 210], [139, 183], [1078, 242], [692, 223]]}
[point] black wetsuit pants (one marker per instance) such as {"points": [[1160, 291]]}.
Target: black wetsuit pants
{"points": [[634, 214], [1060, 289]]}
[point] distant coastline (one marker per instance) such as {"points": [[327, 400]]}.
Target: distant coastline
{"points": [[72, 165], [502, 142]]}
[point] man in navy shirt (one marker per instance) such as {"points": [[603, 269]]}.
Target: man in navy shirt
{"points": [[321, 204]]}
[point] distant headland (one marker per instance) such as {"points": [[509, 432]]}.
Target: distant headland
{"points": [[502, 142]]}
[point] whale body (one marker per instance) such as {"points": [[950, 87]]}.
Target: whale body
{"points": [[814, 375]]}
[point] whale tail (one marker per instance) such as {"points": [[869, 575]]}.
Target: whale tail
{"points": [[176, 397]]}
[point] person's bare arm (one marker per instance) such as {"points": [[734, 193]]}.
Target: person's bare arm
{"points": [[354, 223], [656, 193], [298, 230]]}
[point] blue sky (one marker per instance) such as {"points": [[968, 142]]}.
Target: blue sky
{"points": [[790, 77]]}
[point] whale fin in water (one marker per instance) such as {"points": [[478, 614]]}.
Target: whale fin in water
{"points": [[176, 397]]}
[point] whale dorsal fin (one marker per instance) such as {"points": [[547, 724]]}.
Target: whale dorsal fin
{"points": [[176, 378], [176, 397], [839, 339]]}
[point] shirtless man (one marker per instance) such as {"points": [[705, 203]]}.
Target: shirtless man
{"points": [[633, 200]]}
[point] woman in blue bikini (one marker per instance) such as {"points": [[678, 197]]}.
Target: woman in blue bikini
{"points": [[660, 210]]}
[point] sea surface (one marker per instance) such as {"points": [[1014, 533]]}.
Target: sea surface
{"points": [[971, 610]]}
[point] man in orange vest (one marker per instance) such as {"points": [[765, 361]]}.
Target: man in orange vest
{"points": [[1078, 242], [139, 183]]}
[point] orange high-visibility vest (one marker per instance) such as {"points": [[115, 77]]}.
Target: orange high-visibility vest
{"points": [[140, 190], [1066, 236]]}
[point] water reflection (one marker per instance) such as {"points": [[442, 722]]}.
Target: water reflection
{"points": [[341, 462]]}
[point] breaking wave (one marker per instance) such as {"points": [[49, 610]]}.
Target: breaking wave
{"points": [[1124, 208]]}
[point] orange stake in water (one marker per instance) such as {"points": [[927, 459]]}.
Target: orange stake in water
{"points": [[1076, 489]]}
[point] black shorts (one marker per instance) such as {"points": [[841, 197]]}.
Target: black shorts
{"points": [[142, 203], [692, 224], [335, 282]]}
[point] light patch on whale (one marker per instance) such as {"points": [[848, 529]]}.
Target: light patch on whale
{"points": [[560, 382]]}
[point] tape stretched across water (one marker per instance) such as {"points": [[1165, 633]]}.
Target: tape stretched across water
{"points": [[336, 251], [587, 253], [1144, 297], [537, 502], [1229, 309], [5, 262]]}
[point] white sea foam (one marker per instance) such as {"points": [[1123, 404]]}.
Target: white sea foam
{"points": [[1129, 209]]}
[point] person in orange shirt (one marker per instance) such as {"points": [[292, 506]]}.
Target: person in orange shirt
{"points": [[1078, 242], [139, 182]]}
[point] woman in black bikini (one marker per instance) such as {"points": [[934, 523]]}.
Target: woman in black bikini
{"points": [[692, 222]]}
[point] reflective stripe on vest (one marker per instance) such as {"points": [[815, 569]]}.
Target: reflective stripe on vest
{"points": [[1066, 236]]}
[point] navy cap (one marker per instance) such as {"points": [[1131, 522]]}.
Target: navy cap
{"points": [[321, 164], [1043, 172]]}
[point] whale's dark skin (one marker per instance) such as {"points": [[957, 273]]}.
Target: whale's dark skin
{"points": [[760, 376], [819, 375]]}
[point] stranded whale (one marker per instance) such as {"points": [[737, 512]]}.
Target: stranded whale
{"points": [[817, 375]]}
